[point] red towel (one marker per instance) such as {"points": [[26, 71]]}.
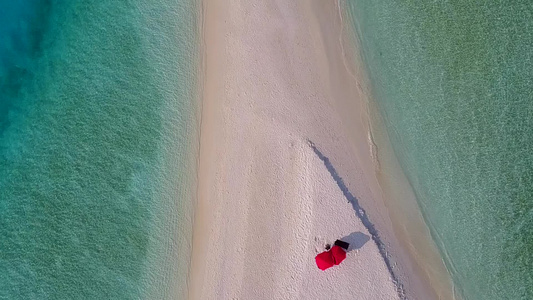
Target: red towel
{"points": [[328, 259]]}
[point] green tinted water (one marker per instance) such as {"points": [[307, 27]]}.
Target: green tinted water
{"points": [[96, 171], [454, 82]]}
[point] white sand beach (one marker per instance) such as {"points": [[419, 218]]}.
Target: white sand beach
{"points": [[285, 163]]}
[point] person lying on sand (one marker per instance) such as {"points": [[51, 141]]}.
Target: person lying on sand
{"points": [[333, 256]]}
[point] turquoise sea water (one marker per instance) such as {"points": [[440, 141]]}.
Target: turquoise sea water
{"points": [[454, 83], [96, 126]]}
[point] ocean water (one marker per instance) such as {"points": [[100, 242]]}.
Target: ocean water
{"points": [[97, 135], [453, 81]]}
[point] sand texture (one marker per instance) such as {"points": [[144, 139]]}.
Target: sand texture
{"points": [[282, 172]]}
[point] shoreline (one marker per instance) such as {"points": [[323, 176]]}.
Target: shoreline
{"points": [[379, 162], [409, 225], [238, 167], [207, 139]]}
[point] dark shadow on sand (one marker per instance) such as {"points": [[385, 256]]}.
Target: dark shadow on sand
{"points": [[356, 240], [361, 214]]}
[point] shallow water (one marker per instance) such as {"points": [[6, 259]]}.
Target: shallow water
{"points": [[96, 123], [453, 81]]}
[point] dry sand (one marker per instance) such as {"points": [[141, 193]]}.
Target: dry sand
{"points": [[285, 163]]}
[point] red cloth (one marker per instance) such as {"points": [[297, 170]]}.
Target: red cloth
{"points": [[338, 254], [324, 260], [328, 259]]}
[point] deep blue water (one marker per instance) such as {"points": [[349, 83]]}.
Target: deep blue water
{"points": [[23, 24]]}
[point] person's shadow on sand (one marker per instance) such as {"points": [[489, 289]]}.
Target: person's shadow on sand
{"points": [[356, 240]]}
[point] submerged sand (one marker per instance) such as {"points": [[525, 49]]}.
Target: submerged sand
{"points": [[284, 169]]}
